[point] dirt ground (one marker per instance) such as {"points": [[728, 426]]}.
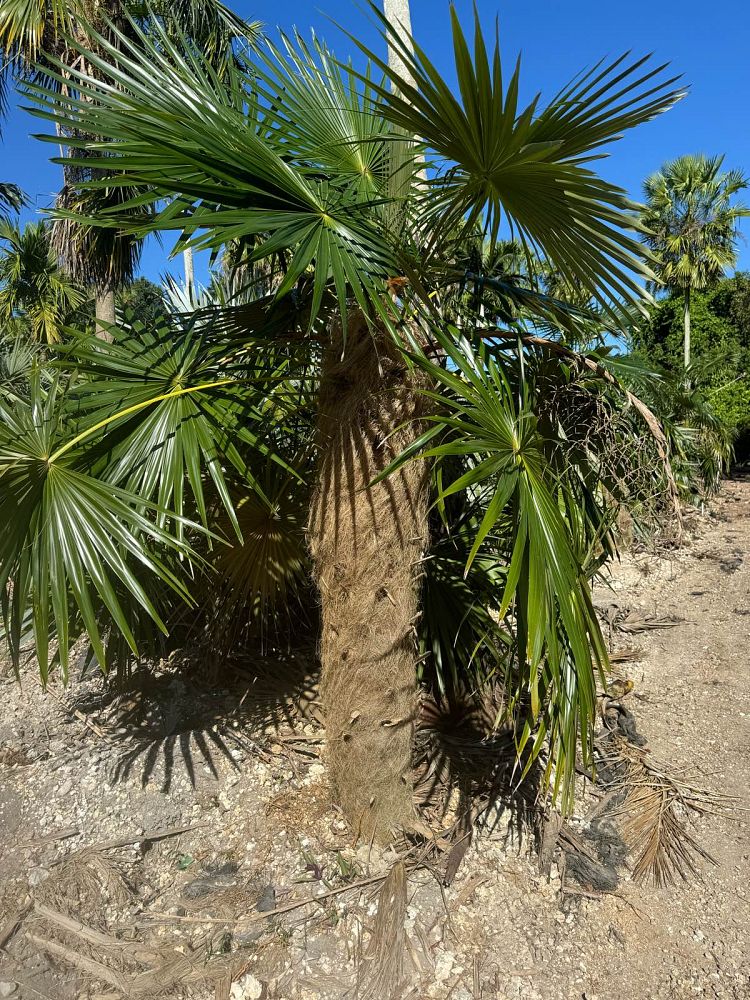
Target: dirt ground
{"points": [[158, 843]]}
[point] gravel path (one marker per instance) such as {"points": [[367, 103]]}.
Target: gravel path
{"points": [[184, 752]]}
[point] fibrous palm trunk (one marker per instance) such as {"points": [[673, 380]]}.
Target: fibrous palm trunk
{"points": [[686, 324], [367, 542]]}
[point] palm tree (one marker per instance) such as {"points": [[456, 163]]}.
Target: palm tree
{"points": [[12, 199], [293, 154], [32, 284], [691, 224], [32, 35]]}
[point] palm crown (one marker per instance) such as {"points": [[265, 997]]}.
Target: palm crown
{"points": [[691, 220], [691, 224]]}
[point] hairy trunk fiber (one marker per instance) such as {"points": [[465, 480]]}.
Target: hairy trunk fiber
{"points": [[366, 543], [105, 311]]}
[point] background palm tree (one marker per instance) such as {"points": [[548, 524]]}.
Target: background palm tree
{"points": [[33, 34], [692, 224], [32, 285]]}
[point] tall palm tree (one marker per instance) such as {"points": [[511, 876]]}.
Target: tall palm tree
{"points": [[293, 155], [692, 224], [32, 284]]}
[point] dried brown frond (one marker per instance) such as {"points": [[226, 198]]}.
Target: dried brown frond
{"points": [[658, 806], [82, 878], [93, 255], [382, 969]]}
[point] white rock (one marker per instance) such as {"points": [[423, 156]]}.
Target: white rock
{"points": [[36, 877], [246, 988], [443, 966], [7, 989]]}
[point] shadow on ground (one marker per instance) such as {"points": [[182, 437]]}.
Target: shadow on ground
{"points": [[176, 718]]}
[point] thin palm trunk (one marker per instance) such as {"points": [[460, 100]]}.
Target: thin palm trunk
{"points": [[367, 542], [105, 311], [686, 323], [187, 257], [398, 14]]}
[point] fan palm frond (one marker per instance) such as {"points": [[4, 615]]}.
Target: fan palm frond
{"points": [[12, 199]]}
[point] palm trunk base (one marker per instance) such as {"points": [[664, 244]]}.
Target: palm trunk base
{"points": [[367, 542]]}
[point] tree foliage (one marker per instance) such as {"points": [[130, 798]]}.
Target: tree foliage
{"points": [[33, 287], [721, 342], [692, 220]]}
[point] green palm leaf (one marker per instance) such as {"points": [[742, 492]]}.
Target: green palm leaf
{"points": [[499, 162], [174, 129], [559, 649], [73, 546]]}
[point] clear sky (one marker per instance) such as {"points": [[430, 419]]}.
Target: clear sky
{"points": [[709, 44]]}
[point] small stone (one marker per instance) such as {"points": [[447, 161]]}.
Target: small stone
{"points": [[37, 876], [267, 901], [7, 989], [246, 933], [247, 988], [443, 966]]}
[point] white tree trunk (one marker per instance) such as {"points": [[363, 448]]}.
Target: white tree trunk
{"points": [[686, 320], [187, 257], [398, 14]]}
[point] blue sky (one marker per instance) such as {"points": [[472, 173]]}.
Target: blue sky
{"points": [[708, 44]]}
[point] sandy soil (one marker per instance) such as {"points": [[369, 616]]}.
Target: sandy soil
{"points": [[210, 911]]}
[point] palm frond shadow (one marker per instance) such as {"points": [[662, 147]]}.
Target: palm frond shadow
{"points": [[180, 722], [468, 768]]}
